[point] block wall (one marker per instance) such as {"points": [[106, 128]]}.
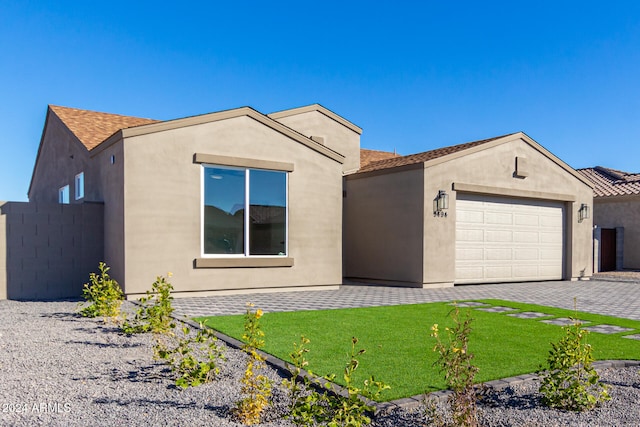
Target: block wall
{"points": [[48, 250]]}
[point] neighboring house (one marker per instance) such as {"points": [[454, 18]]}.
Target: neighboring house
{"points": [[175, 193], [240, 201], [498, 210], [616, 216]]}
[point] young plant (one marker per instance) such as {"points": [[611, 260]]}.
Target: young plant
{"points": [[308, 407], [570, 382], [455, 361], [103, 294], [256, 388], [195, 359], [351, 410], [154, 314]]}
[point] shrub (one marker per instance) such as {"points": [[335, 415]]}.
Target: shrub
{"points": [[194, 359], [103, 294], [256, 388], [570, 382], [455, 361], [309, 407], [154, 314]]}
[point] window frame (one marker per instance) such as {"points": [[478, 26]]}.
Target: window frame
{"points": [[79, 186], [63, 195], [246, 220]]}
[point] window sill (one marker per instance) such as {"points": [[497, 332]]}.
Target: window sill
{"points": [[247, 262]]}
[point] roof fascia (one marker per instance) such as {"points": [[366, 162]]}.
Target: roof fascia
{"points": [[214, 117], [319, 108], [508, 138], [386, 171]]}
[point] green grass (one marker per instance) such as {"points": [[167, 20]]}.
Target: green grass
{"points": [[399, 346]]}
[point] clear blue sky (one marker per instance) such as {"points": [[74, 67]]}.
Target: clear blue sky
{"points": [[415, 75]]}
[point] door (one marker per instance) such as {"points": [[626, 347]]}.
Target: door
{"points": [[501, 239], [607, 249]]}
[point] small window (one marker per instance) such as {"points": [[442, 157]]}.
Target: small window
{"points": [[63, 195], [79, 186]]}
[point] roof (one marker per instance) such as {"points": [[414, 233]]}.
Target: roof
{"points": [[393, 162], [370, 156], [92, 127], [611, 182]]}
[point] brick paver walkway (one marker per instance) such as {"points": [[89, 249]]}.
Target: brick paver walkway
{"points": [[614, 298]]}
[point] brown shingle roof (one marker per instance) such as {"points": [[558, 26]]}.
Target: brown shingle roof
{"points": [[92, 127], [370, 156], [611, 182], [421, 157]]}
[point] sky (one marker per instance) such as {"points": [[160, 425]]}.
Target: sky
{"points": [[414, 75]]}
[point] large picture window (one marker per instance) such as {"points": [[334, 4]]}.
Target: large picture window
{"points": [[244, 211]]}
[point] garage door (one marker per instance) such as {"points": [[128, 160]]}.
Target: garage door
{"points": [[508, 240]]}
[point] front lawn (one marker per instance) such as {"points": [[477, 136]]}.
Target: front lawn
{"points": [[399, 346]]}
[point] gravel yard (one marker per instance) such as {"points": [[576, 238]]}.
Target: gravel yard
{"points": [[63, 370]]}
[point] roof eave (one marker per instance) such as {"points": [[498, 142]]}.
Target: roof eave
{"points": [[319, 108], [213, 117]]}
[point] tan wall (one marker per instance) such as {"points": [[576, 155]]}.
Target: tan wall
{"points": [[384, 227], [162, 205], [492, 171], [48, 250], [60, 159], [621, 212], [336, 136], [489, 171]]}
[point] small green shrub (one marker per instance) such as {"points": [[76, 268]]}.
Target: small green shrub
{"points": [[309, 407], [256, 388], [352, 411], [103, 294], [455, 362], [570, 382], [154, 314], [194, 359]]}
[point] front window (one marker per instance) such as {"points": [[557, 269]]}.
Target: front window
{"points": [[63, 195], [244, 212]]}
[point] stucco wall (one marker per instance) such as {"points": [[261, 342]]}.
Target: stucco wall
{"points": [[48, 250], [383, 235], [60, 159], [621, 212], [162, 208], [491, 171], [336, 136], [486, 170]]}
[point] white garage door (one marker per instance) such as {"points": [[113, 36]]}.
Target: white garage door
{"points": [[508, 240]]}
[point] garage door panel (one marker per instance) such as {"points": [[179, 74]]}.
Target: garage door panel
{"points": [[504, 239], [493, 236]]}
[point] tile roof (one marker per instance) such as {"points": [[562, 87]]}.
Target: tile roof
{"points": [[370, 156], [611, 182], [411, 159], [92, 127]]}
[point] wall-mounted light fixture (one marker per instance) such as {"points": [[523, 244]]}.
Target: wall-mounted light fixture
{"points": [[584, 212], [441, 204]]}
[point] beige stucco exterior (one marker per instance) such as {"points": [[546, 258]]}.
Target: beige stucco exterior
{"points": [[150, 180], [424, 245], [622, 213]]}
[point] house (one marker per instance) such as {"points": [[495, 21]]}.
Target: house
{"points": [[229, 201], [240, 201], [497, 210], [616, 215]]}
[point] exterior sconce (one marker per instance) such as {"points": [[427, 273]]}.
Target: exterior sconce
{"points": [[584, 212], [441, 204]]}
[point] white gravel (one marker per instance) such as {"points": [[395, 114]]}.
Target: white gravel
{"points": [[59, 369]]}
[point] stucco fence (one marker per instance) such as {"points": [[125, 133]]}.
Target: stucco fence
{"points": [[48, 250]]}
